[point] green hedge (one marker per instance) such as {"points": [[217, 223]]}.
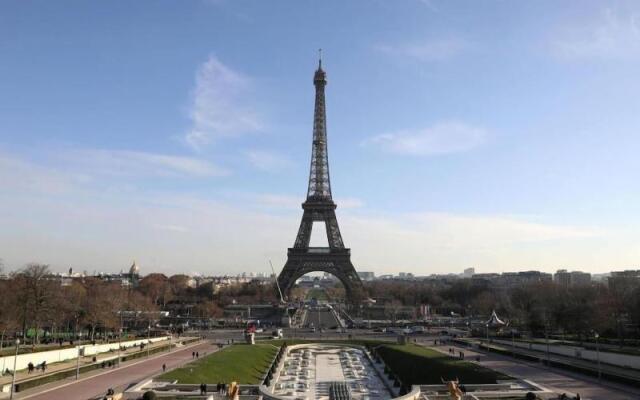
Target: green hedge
{"points": [[414, 364]]}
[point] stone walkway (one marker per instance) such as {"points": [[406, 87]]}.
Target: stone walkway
{"points": [[557, 380], [71, 364]]}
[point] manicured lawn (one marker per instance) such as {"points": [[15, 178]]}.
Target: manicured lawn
{"points": [[242, 363], [419, 365], [317, 294]]}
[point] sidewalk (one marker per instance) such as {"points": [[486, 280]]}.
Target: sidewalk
{"points": [[557, 380], [23, 375], [570, 361]]}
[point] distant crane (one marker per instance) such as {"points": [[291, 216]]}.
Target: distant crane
{"points": [[277, 284]]}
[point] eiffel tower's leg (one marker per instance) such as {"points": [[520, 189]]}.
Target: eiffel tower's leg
{"points": [[304, 232], [333, 231]]}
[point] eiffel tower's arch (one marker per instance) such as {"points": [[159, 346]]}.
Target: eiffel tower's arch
{"points": [[319, 206]]}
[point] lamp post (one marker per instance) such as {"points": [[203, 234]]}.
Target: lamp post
{"points": [[119, 343], [15, 362], [148, 339], [513, 343], [598, 354], [546, 336], [487, 326], [78, 363]]}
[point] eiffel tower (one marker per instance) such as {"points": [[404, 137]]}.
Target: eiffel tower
{"points": [[320, 207]]}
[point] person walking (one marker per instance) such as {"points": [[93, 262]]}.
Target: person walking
{"points": [[193, 354], [30, 368], [164, 367]]}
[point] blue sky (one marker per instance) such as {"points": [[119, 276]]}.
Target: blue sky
{"points": [[497, 135]]}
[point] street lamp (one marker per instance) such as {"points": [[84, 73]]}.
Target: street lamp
{"points": [[15, 362], [546, 336], [598, 353], [513, 343], [78, 364], [119, 343], [487, 326], [148, 339]]}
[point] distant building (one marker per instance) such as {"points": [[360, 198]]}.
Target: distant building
{"points": [[562, 277], [469, 272], [565, 278], [367, 275], [624, 281], [579, 278], [512, 279]]}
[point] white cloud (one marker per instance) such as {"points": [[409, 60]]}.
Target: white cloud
{"points": [[172, 228], [137, 163], [428, 50], [218, 108], [441, 138], [612, 36], [20, 175], [279, 201], [267, 161]]}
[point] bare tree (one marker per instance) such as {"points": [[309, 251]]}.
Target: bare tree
{"points": [[35, 291]]}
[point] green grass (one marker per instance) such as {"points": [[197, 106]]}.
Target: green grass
{"points": [[419, 365], [241, 363], [318, 294]]}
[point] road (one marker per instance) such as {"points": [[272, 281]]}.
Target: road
{"points": [[320, 318], [119, 378]]}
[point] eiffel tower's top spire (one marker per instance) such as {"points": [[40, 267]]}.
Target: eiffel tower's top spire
{"points": [[319, 183]]}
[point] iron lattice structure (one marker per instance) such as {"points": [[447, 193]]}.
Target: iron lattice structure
{"points": [[319, 206]]}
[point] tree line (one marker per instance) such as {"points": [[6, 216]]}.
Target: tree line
{"points": [[536, 307], [36, 304]]}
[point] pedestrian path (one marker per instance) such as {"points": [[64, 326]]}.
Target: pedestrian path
{"points": [[51, 369], [557, 380]]}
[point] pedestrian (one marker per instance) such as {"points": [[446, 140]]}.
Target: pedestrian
{"points": [[44, 366], [164, 367], [577, 396], [202, 388], [193, 354], [197, 355], [205, 388]]}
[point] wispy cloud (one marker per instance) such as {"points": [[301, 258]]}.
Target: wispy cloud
{"points": [[430, 4], [427, 50], [612, 36], [21, 175], [172, 228], [218, 107], [267, 160], [137, 163], [441, 138]]}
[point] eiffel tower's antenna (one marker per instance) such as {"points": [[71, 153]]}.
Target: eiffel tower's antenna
{"points": [[320, 58]]}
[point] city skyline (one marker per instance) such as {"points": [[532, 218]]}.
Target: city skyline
{"points": [[454, 143]]}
